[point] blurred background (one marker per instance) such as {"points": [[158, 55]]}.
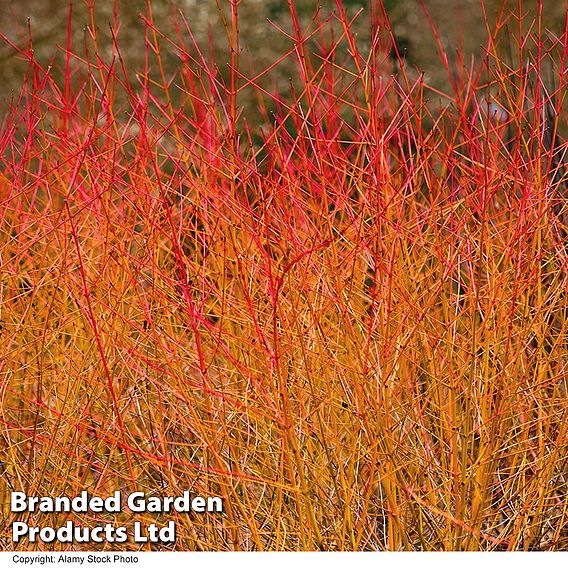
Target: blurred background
{"points": [[461, 25]]}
